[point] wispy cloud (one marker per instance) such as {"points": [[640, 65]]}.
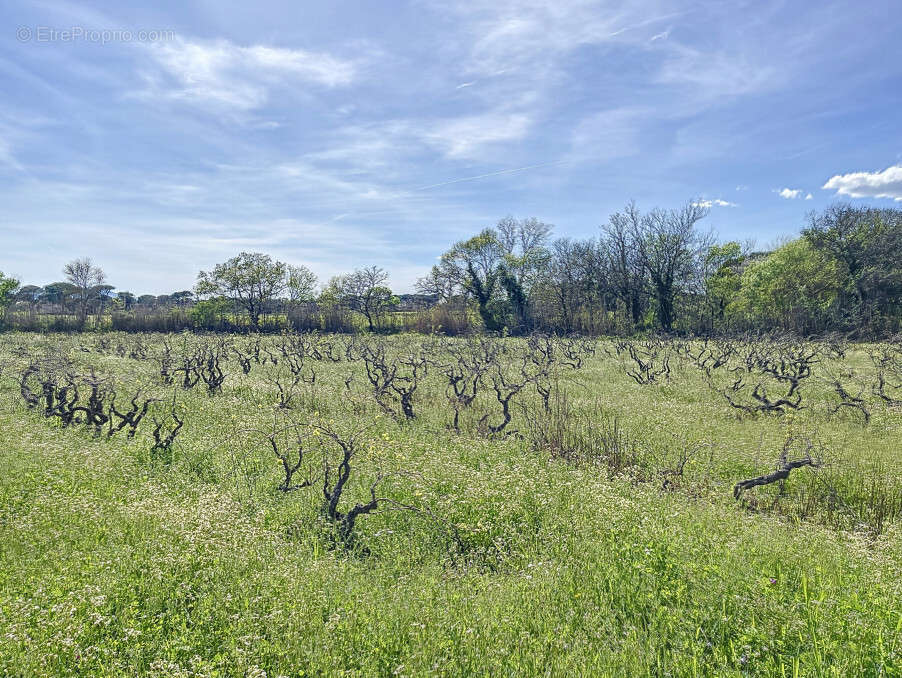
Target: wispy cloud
{"points": [[529, 34], [386, 146], [715, 202], [469, 136], [347, 131], [883, 184], [714, 74], [19, 132], [608, 134], [7, 158], [513, 170], [222, 74]]}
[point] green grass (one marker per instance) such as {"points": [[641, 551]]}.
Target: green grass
{"points": [[114, 561]]}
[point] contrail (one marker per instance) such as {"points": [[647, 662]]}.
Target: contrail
{"points": [[490, 174]]}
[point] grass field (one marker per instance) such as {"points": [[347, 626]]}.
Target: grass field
{"points": [[599, 536]]}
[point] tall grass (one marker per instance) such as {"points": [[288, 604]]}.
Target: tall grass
{"points": [[567, 548]]}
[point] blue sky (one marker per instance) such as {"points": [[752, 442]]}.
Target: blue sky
{"points": [[162, 139]]}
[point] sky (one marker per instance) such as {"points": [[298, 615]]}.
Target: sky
{"points": [[160, 138]]}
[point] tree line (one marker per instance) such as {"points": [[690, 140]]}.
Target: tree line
{"points": [[644, 271]]}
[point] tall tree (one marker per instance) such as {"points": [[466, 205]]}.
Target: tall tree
{"points": [[365, 291], [252, 279], [574, 280], [619, 242], [866, 243], [85, 277], [29, 294], [792, 287], [301, 284], [181, 298], [128, 300], [722, 280], [525, 256], [60, 293], [102, 294], [671, 250], [496, 268], [472, 267]]}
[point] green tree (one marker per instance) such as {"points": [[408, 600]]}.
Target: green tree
{"points": [[472, 267], [866, 243], [60, 293], [8, 287], [29, 294], [496, 268], [252, 279], [525, 258], [128, 300], [301, 284], [363, 291], [182, 298], [722, 278], [103, 295], [792, 286], [208, 313]]}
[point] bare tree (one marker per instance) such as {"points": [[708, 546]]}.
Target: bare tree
{"points": [[670, 248], [574, 280], [84, 276], [622, 252]]}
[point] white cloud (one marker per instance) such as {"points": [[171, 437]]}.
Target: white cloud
{"points": [[614, 133], [520, 50], [529, 35], [222, 74], [6, 156], [716, 202], [789, 193], [715, 74], [386, 146], [313, 67], [809, 197], [885, 184], [20, 132], [467, 137]]}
